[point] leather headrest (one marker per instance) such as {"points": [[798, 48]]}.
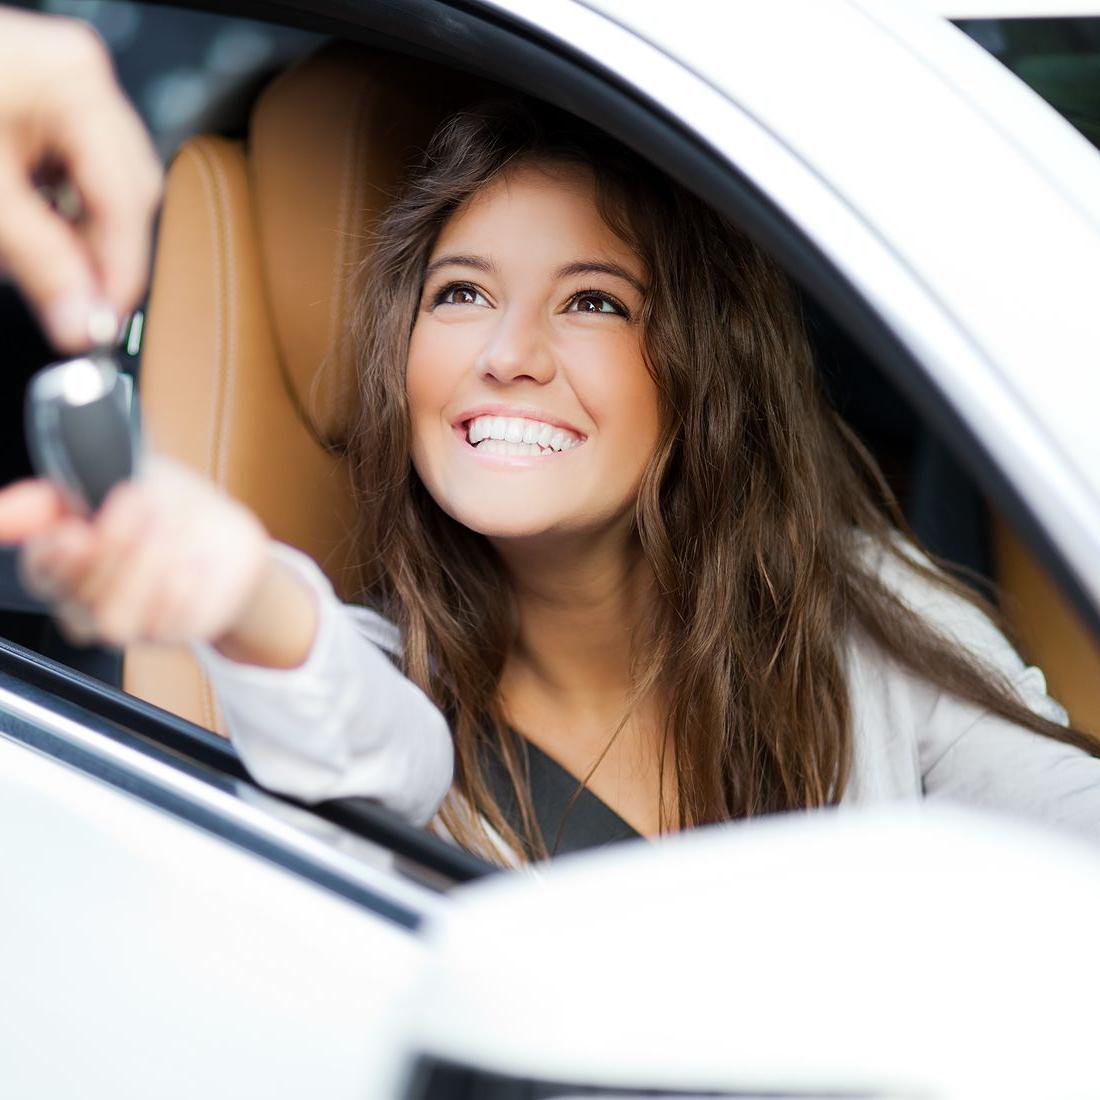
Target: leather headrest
{"points": [[329, 141]]}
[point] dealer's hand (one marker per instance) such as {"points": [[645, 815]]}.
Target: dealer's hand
{"points": [[167, 558], [62, 112]]}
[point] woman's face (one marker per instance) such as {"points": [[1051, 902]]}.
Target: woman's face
{"points": [[532, 409]]}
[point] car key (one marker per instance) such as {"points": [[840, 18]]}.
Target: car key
{"points": [[80, 430]]}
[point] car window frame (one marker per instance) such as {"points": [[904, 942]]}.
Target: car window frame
{"points": [[196, 776]]}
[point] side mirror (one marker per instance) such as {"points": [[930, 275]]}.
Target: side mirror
{"points": [[911, 952]]}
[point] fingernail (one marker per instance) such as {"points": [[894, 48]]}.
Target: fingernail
{"points": [[103, 324], [67, 322]]}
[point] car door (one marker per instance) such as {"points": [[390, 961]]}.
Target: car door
{"points": [[171, 930]]}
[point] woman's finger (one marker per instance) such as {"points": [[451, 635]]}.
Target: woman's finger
{"points": [[123, 520], [123, 609], [28, 508], [75, 624], [53, 565], [177, 608]]}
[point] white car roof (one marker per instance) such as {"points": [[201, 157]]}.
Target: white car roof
{"points": [[1011, 9]]}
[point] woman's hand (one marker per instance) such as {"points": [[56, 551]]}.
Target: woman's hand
{"points": [[62, 113], [168, 558]]}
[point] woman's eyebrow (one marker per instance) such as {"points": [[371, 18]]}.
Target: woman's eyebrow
{"points": [[577, 267], [599, 267], [479, 263]]}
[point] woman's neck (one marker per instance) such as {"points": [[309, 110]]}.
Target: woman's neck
{"points": [[567, 684], [580, 604]]}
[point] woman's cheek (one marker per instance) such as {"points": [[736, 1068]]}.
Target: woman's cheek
{"points": [[619, 392], [434, 374]]}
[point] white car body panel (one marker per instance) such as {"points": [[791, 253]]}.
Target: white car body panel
{"points": [[854, 118], [142, 957]]}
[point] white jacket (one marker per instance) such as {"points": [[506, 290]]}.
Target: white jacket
{"points": [[346, 722]]}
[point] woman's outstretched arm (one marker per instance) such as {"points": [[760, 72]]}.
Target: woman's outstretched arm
{"points": [[314, 705], [343, 722]]}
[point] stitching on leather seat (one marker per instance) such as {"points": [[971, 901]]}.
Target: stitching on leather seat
{"points": [[231, 358], [352, 171], [207, 176]]}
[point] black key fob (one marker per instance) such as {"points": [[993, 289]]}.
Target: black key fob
{"points": [[81, 432]]}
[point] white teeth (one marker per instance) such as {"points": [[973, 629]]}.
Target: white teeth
{"points": [[503, 447], [533, 436]]}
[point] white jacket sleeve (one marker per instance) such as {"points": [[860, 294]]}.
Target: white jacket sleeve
{"points": [[971, 756], [345, 722]]}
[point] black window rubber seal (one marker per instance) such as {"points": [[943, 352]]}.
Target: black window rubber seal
{"points": [[148, 728], [443, 1079]]}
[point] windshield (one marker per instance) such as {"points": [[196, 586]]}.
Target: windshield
{"points": [[1058, 58]]}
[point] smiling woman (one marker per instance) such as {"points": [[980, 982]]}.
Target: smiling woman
{"points": [[701, 611]]}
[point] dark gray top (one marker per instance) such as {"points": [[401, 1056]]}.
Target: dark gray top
{"points": [[569, 815]]}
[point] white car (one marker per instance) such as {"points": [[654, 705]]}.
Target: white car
{"points": [[167, 929]]}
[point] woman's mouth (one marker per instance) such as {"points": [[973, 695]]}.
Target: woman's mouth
{"points": [[513, 435]]}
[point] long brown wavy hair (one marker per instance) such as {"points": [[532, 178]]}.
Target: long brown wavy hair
{"points": [[747, 514]]}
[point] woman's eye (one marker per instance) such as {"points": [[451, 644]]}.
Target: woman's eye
{"points": [[459, 294], [592, 301]]}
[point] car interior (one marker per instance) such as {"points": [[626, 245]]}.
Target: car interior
{"points": [[245, 371]]}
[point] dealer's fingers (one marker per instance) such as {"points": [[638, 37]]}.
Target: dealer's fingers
{"points": [[46, 257], [62, 109], [113, 166]]}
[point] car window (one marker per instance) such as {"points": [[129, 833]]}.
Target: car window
{"points": [[1058, 58]]}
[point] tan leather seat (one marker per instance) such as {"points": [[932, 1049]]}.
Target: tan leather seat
{"points": [[1050, 633], [247, 375]]}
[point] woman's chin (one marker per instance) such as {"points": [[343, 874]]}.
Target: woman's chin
{"points": [[498, 525]]}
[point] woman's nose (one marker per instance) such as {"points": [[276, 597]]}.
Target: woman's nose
{"points": [[517, 348]]}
